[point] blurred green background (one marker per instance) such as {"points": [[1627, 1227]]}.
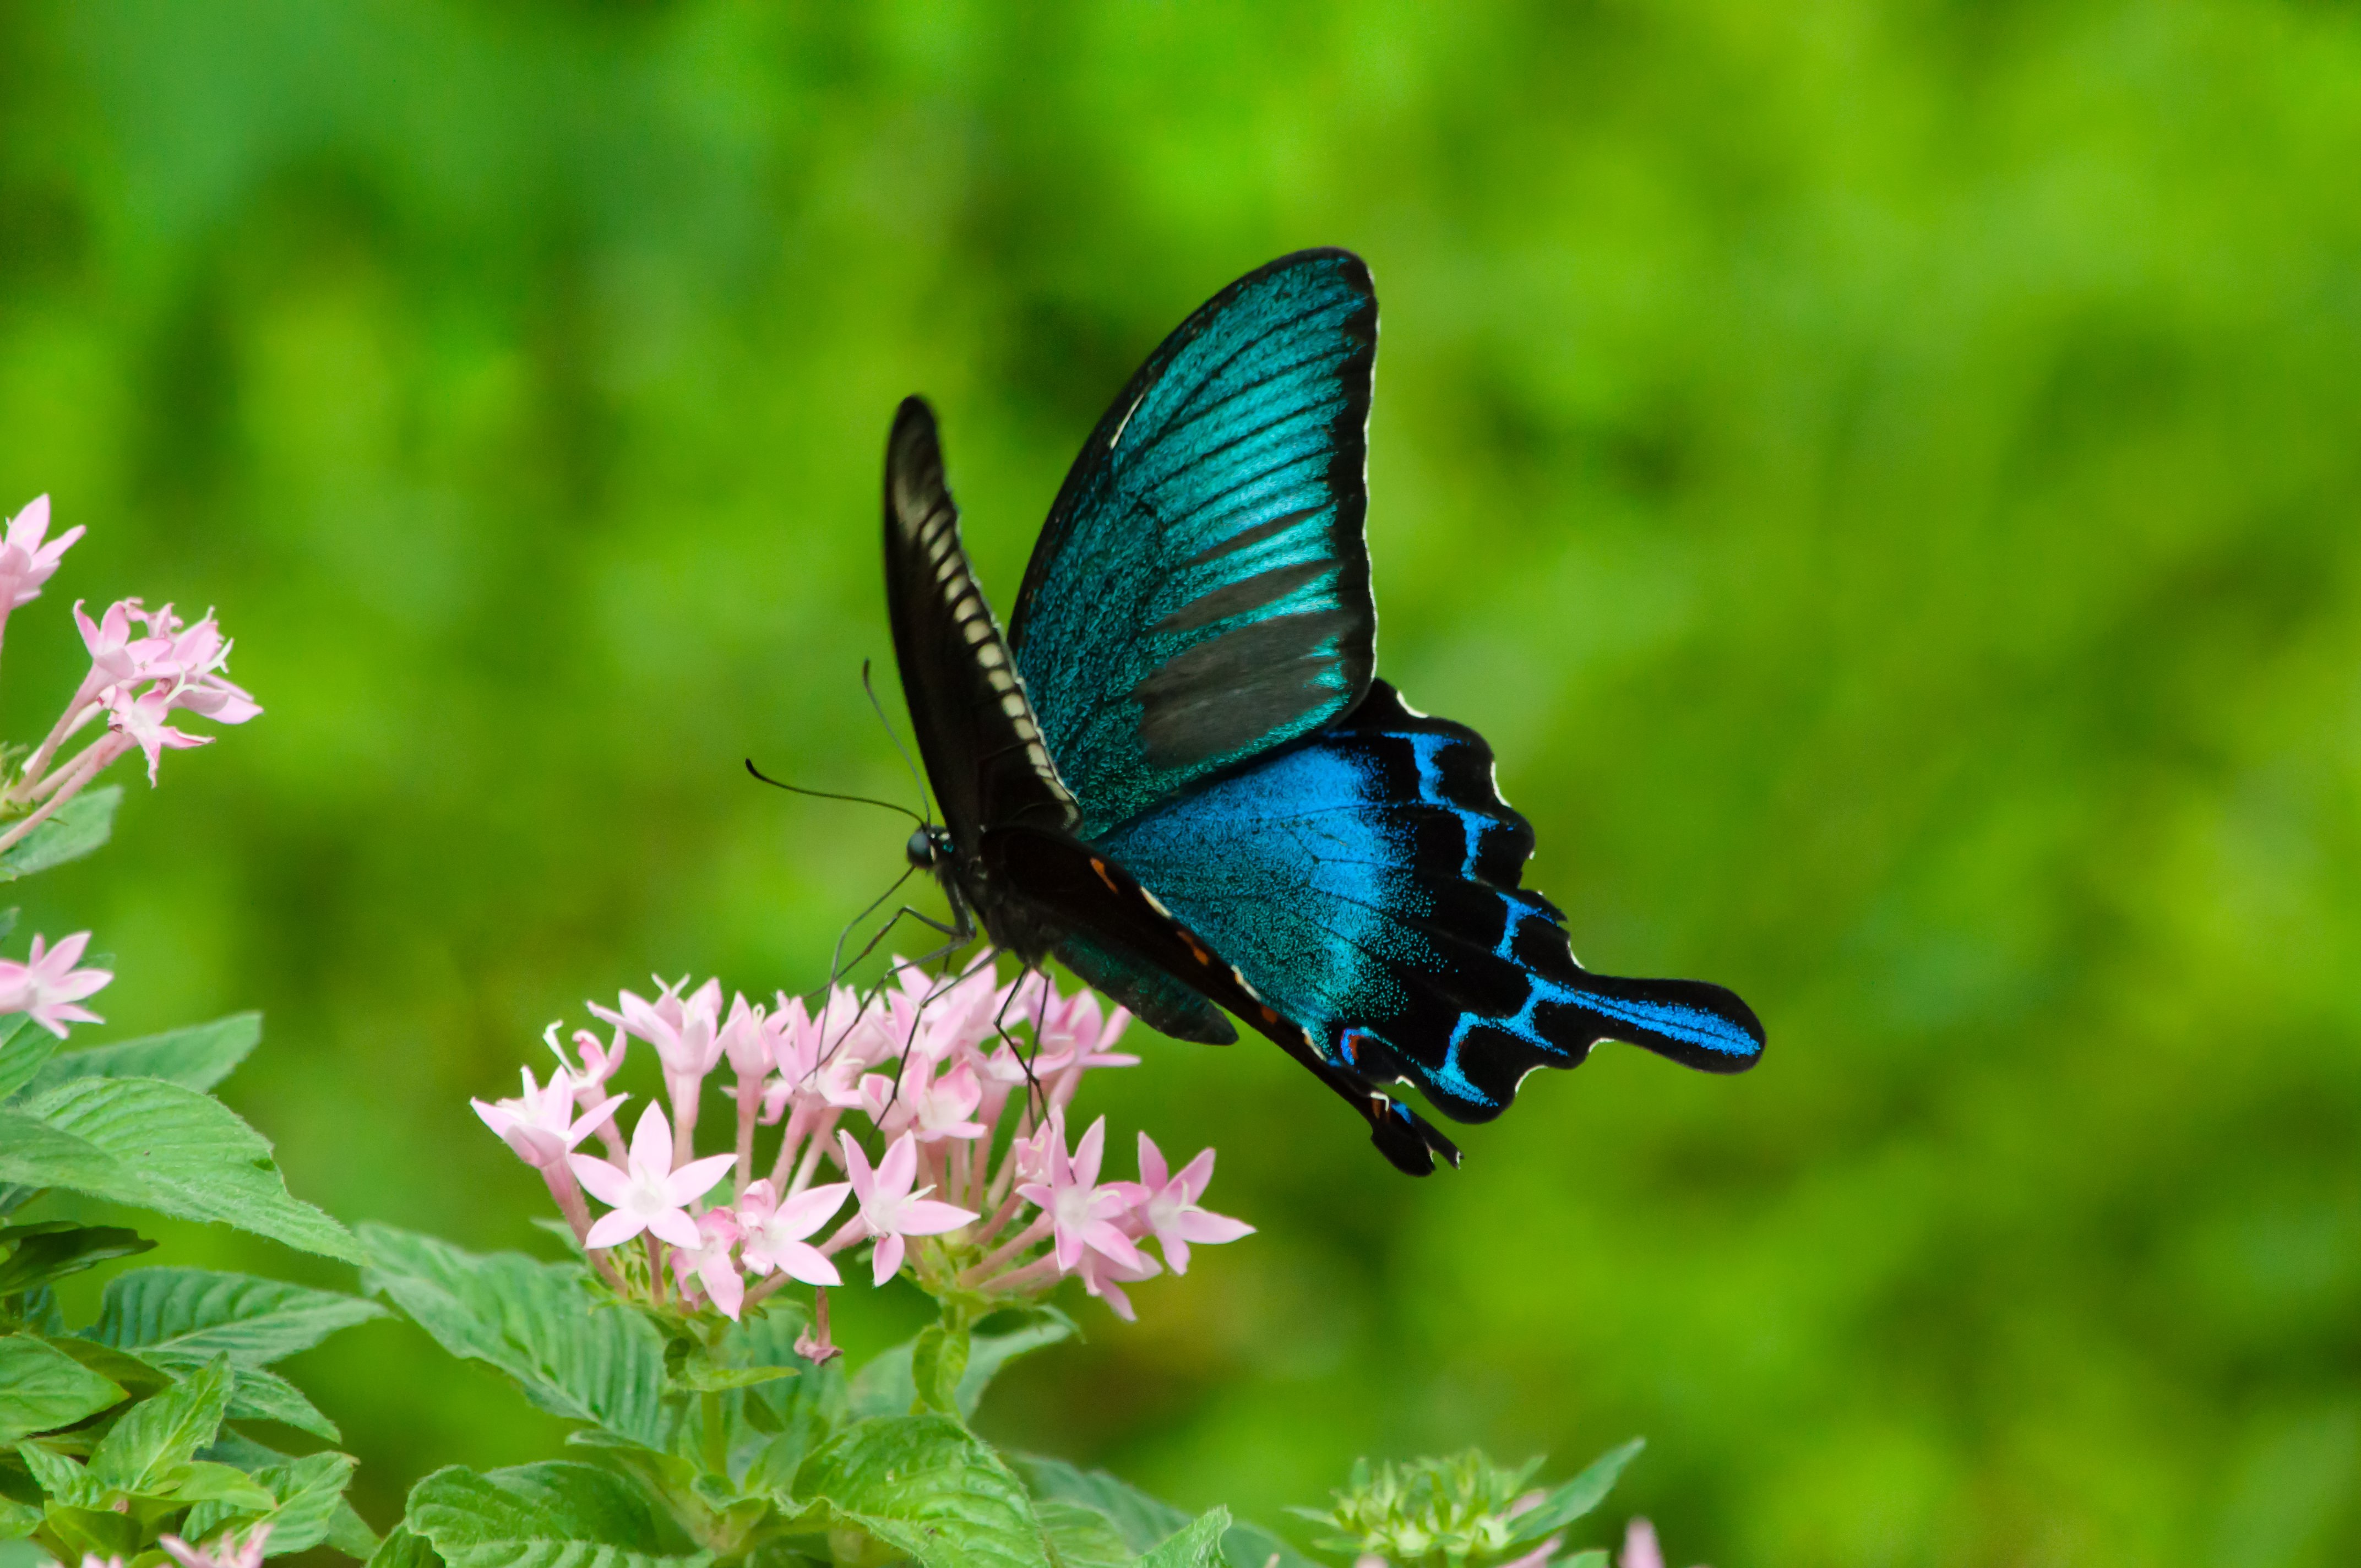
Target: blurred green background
{"points": [[1884, 477]]}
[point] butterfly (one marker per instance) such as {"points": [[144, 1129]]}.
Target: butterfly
{"points": [[1177, 771]]}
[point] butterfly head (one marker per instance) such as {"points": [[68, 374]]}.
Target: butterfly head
{"points": [[929, 848]]}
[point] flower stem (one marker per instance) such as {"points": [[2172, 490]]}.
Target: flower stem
{"points": [[86, 768]]}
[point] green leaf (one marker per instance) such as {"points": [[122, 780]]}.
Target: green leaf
{"points": [[1146, 1522], [42, 1388], [163, 1432], [22, 1050], [1140, 1519], [536, 1516], [55, 1248], [34, 1154], [350, 1534], [704, 1378], [401, 1548], [87, 1532], [198, 1056], [61, 1480], [533, 1322], [75, 829], [888, 1386], [17, 1520], [1594, 1557], [1083, 1538], [198, 1312], [925, 1485], [208, 1482], [135, 1377], [161, 1146], [938, 1362], [1568, 1503], [1197, 1546], [263, 1395], [299, 1504]]}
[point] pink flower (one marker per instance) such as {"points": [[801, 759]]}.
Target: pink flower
{"points": [[685, 1031], [26, 562], [599, 1062], [1169, 1208], [708, 1262], [48, 986], [746, 1040], [889, 1209], [1104, 1277], [646, 1193], [774, 1232], [227, 1551], [540, 1124], [140, 720], [1640, 1548], [933, 1106], [1082, 1212], [117, 658]]}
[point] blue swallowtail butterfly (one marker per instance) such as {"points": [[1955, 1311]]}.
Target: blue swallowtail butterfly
{"points": [[1176, 771]]}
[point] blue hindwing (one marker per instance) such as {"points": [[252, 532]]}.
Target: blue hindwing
{"points": [[1201, 592], [1364, 881]]}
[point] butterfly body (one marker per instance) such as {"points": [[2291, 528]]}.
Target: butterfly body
{"points": [[1176, 771]]}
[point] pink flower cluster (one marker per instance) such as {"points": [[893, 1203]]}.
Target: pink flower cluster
{"points": [[137, 680], [976, 1162], [145, 665], [229, 1551]]}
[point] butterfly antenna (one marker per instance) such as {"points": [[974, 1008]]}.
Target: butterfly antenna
{"points": [[915, 777], [832, 795]]}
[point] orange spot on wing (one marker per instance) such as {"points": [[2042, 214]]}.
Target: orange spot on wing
{"points": [[1100, 866]]}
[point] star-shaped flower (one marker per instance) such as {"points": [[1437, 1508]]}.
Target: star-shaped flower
{"points": [[1169, 1208], [540, 1124], [645, 1192], [889, 1209], [48, 987], [774, 1232], [1082, 1212]]}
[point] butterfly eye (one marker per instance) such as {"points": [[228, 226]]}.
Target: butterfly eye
{"points": [[928, 847]]}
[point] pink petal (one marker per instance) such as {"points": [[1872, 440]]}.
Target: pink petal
{"points": [[925, 1217], [1104, 1238], [806, 1212], [1207, 1228], [886, 1262], [676, 1228], [799, 1260], [1151, 1164], [652, 1142], [613, 1230], [856, 1166], [1087, 1154], [696, 1179], [899, 1169], [1195, 1176], [600, 1179]]}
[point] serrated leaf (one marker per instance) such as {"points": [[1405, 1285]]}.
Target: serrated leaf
{"points": [[34, 1154], [402, 1549], [42, 1388], [704, 1378], [888, 1385], [181, 1153], [198, 1056], [1197, 1546], [77, 829], [260, 1395], [1083, 1538], [536, 1516], [532, 1321], [162, 1432], [925, 1485], [198, 1312], [56, 1249], [298, 1503], [1566, 1504], [350, 1534], [1143, 1522], [63, 1481], [23, 1051]]}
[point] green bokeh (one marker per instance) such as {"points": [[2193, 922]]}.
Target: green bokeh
{"points": [[1886, 478]]}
